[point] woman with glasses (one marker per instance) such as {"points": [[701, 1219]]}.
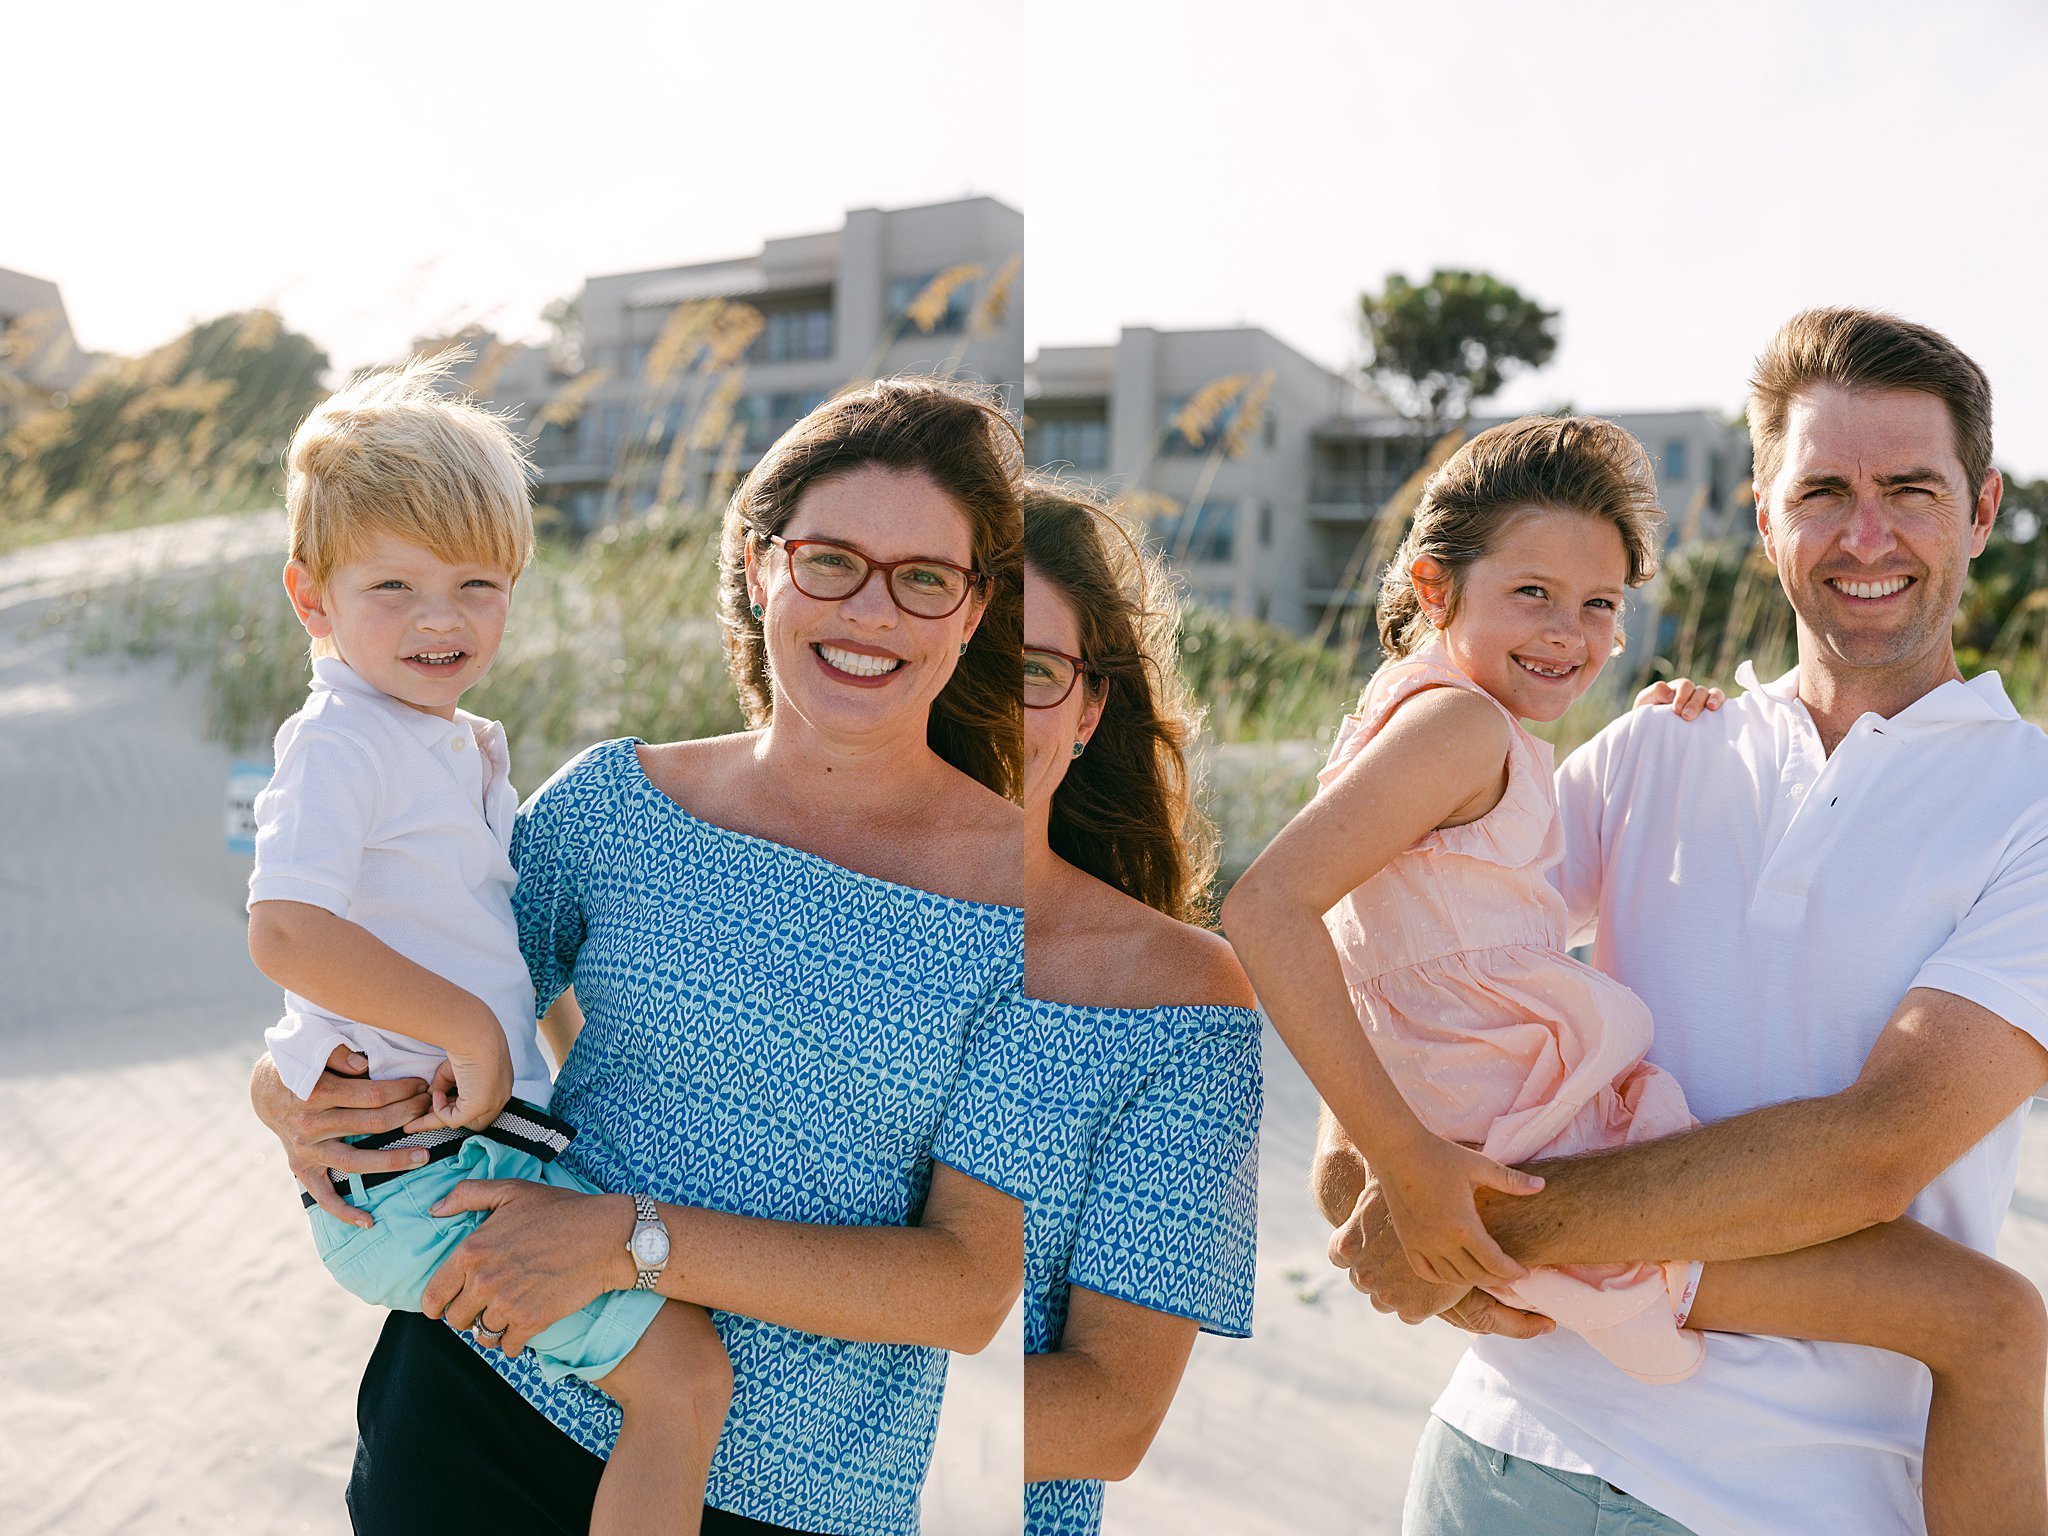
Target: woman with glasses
{"points": [[1142, 1039], [792, 949]]}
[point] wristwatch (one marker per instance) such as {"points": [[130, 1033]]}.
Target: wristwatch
{"points": [[648, 1245]]}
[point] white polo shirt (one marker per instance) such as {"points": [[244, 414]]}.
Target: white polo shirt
{"points": [[1773, 905], [399, 821]]}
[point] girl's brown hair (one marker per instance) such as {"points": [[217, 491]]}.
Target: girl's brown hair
{"points": [[959, 438], [1569, 464], [1125, 812]]}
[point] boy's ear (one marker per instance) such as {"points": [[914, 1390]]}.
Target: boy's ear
{"points": [[307, 602]]}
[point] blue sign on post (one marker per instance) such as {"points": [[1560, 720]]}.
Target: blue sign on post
{"points": [[245, 782]]}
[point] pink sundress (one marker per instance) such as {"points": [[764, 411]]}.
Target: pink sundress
{"points": [[1455, 957]]}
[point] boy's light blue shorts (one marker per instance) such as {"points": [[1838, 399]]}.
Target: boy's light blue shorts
{"points": [[389, 1264]]}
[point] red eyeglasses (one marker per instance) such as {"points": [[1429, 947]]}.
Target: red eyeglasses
{"points": [[1049, 676], [924, 588]]}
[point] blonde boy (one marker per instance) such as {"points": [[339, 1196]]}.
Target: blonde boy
{"points": [[381, 899]]}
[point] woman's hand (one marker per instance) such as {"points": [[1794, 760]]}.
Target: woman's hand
{"points": [[1428, 1187], [541, 1254], [344, 1103]]}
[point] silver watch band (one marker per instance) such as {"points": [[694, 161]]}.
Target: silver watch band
{"points": [[646, 1213]]}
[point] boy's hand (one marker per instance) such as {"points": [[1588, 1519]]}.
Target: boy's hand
{"points": [[1428, 1188], [1686, 697], [471, 1087]]}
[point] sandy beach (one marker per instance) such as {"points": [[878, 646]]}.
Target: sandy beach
{"points": [[175, 1358]]}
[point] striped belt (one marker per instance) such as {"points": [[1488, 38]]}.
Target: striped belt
{"points": [[523, 1126]]}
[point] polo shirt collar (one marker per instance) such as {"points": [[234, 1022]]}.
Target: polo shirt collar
{"points": [[336, 675], [1981, 698]]}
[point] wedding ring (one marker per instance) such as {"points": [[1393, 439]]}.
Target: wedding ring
{"points": [[489, 1335]]}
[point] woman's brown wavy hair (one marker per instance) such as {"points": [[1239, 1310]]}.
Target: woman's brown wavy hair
{"points": [[959, 437], [1125, 813]]}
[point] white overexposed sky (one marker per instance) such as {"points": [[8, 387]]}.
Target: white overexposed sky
{"points": [[1675, 179]]}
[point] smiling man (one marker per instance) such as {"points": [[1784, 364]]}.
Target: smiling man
{"points": [[1834, 896]]}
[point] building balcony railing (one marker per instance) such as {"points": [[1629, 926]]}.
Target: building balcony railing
{"points": [[1319, 592], [1350, 498]]}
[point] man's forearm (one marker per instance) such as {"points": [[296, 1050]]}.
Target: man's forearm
{"points": [[1631, 1203], [1942, 1075], [1759, 1183]]}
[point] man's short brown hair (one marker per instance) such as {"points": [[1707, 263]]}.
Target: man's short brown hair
{"points": [[1866, 349]]}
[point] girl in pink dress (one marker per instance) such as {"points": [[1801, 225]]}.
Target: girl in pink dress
{"points": [[1410, 897]]}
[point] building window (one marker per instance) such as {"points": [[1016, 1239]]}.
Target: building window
{"points": [[795, 335], [1077, 440], [1674, 461], [959, 303], [1174, 442], [601, 431], [767, 417], [1210, 539], [1265, 526]]}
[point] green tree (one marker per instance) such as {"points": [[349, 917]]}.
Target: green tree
{"points": [[1441, 347]]}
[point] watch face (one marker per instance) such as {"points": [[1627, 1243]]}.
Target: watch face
{"points": [[650, 1247]]}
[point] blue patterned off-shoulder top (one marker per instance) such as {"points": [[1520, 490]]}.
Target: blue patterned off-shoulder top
{"points": [[1134, 1133], [771, 1034]]}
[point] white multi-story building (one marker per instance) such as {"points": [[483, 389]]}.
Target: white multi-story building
{"points": [[1207, 435], [1281, 522], [933, 289]]}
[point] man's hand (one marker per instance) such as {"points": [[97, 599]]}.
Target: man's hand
{"points": [[344, 1103], [1366, 1247]]}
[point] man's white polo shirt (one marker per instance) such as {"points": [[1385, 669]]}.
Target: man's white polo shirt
{"points": [[1773, 905], [401, 822]]}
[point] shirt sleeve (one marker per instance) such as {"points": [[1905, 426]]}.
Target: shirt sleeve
{"points": [[315, 817], [1171, 1217], [1997, 957], [986, 1132], [549, 851]]}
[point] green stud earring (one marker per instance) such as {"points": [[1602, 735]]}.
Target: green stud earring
{"points": [[1077, 748], [963, 647], [756, 609]]}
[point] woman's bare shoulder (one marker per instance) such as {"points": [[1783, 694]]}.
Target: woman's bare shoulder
{"points": [[1191, 965], [985, 832], [1117, 952], [699, 775]]}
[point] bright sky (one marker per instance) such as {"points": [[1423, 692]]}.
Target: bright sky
{"points": [[1675, 180]]}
